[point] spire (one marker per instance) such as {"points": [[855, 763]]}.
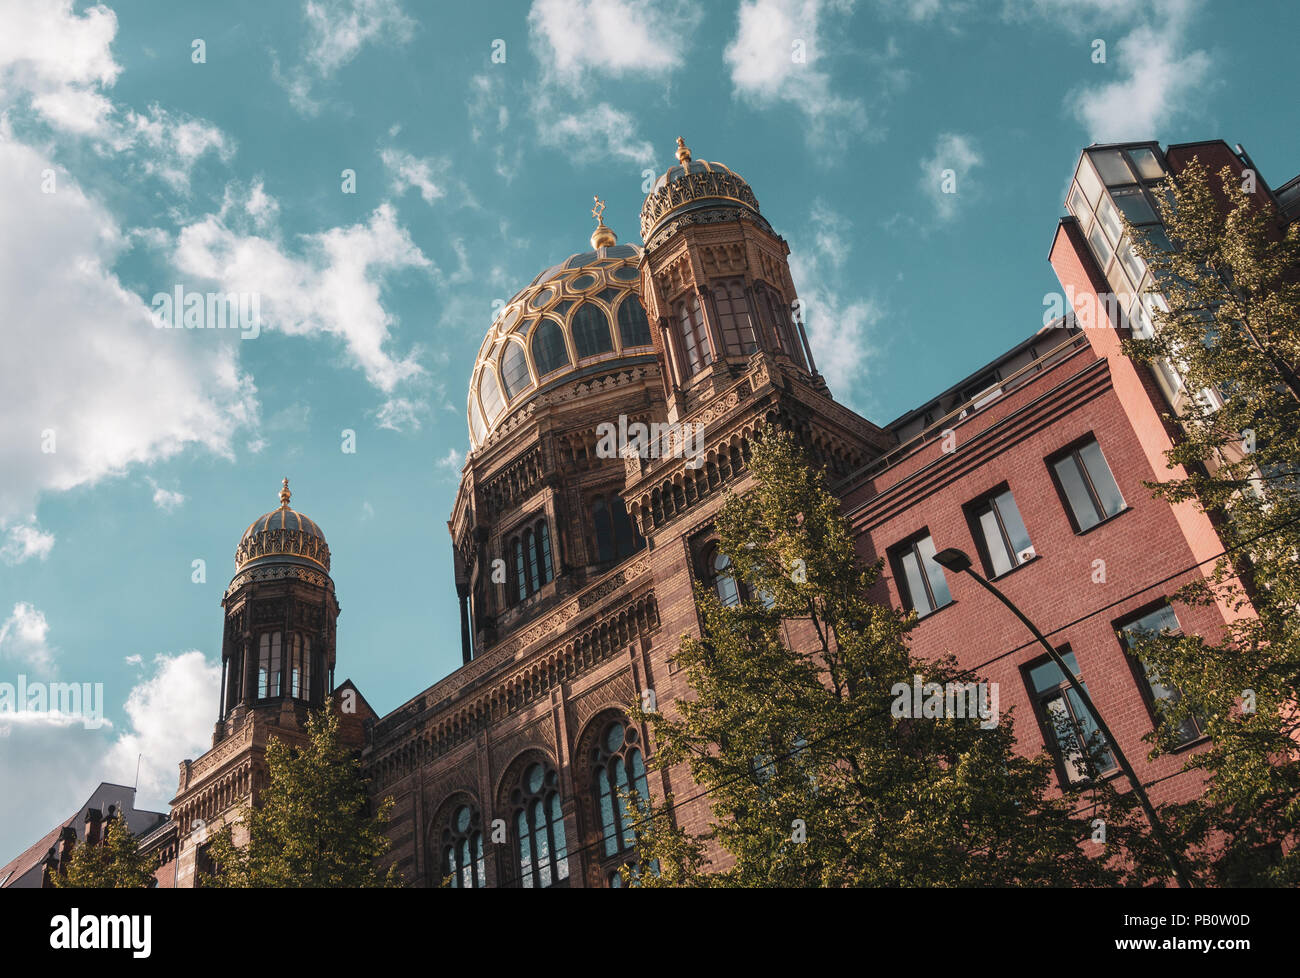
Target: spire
{"points": [[284, 494], [602, 237], [683, 154]]}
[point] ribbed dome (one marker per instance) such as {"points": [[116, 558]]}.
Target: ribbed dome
{"points": [[283, 536], [572, 319], [695, 185]]}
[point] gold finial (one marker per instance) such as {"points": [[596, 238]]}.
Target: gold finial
{"points": [[602, 237], [683, 154], [284, 494]]}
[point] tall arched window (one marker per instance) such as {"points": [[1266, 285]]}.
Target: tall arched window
{"points": [[530, 554], [787, 335], [615, 536], [514, 369], [549, 352], [521, 578], [462, 849], [300, 668], [544, 544], [724, 582], [734, 323], [633, 327], [627, 540], [492, 402], [540, 846], [694, 335], [268, 665], [590, 331], [618, 766]]}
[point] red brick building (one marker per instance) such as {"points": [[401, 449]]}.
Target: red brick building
{"points": [[612, 403]]}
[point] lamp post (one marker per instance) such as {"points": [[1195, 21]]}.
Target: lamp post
{"points": [[957, 561]]}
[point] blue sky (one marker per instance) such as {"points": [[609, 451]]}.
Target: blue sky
{"points": [[132, 165]]}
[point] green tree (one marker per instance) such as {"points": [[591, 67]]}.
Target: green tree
{"points": [[116, 863], [811, 779], [1230, 278], [312, 825]]}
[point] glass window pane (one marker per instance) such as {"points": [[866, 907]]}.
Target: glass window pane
{"points": [[1108, 218], [1100, 244], [591, 331], [997, 549], [1078, 205], [915, 584], [1133, 264], [938, 583], [1088, 182], [514, 369], [1148, 166], [1013, 524], [1076, 492], [549, 351], [1067, 740], [633, 327], [1102, 481], [1111, 166], [1089, 731], [491, 393], [561, 844], [1133, 204]]}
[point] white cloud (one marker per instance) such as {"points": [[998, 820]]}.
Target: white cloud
{"points": [[24, 541], [333, 287], [337, 30], [165, 499], [452, 461], [838, 326], [24, 637], [73, 408], [410, 171], [134, 660], [611, 37], [774, 58], [946, 174], [1157, 81], [170, 716], [59, 57], [172, 143], [592, 132]]}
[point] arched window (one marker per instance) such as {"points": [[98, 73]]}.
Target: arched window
{"points": [[633, 327], [724, 583], [544, 545], [734, 324], [590, 331], [694, 335], [600, 521], [521, 578], [268, 665], [514, 370], [627, 540], [492, 402], [300, 668], [540, 845], [778, 317], [549, 352], [530, 544], [462, 849], [618, 766]]}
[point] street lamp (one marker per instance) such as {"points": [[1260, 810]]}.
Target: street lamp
{"points": [[957, 561]]}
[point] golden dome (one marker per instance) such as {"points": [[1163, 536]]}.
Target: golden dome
{"points": [[697, 191], [283, 536], [571, 320]]}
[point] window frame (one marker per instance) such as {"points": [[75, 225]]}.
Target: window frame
{"points": [[988, 502], [1073, 451], [1062, 690], [1142, 674], [896, 554]]}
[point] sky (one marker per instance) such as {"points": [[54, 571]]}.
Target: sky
{"points": [[380, 175]]}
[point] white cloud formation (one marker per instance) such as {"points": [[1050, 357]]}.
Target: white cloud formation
{"points": [[165, 499], [172, 143], [170, 716], [452, 462], [25, 540], [946, 174], [611, 37], [73, 407], [24, 638], [337, 30], [333, 286], [593, 132], [775, 58], [838, 326], [409, 171], [1157, 81]]}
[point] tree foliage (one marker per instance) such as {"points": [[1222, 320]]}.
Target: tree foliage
{"points": [[312, 825], [811, 779], [115, 863], [1230, 277]]}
